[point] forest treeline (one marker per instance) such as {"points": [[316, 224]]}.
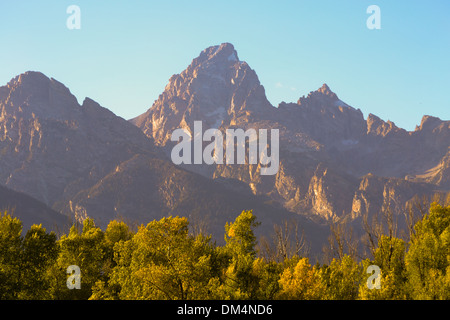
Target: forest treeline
{"points": [[164, 260]]}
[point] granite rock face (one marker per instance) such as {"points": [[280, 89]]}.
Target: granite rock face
{"points": [[78, 161], [51, 146], [335, 165], [216, 88], [327, 148]]}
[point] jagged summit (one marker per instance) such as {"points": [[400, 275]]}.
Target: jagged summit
{"points": [[429, 123], [223, 51], [216, 88], [36, 79], [321, 97], [85, 161], [33, 76], [324, 93], [325, 89], [218, 59], [34, 94]]}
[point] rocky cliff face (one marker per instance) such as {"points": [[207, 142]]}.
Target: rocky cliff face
{"points": [[328, 150], [335, 165], [84, 161], [50, 144], [216, 87]]}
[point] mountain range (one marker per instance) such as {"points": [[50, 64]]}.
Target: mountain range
{"points": [[81, 161]]}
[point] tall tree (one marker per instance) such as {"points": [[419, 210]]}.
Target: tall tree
{"points": [[39, 253], [428, 258], [10, 256], [163, 261], [240, 281], [300, 282], [83, 248], [340, 280]]}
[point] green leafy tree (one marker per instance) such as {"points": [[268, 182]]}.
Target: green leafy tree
{"points": [[163, 261], [267, 273], [10, 256], [428, 258], [84, 249], [39, 253], [239, 236], [239, 280], [115, 233], [389, 256], [25, 261], [341, 279], [300, 281]]}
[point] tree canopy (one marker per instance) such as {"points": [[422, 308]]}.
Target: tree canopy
{"points": [[165, 260]]}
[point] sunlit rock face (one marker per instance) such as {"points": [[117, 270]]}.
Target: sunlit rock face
{"points": [[327, 147], [334, 164]]}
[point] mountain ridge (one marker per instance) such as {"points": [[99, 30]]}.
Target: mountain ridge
{"points": [[319, 127], [84, 161], [335, 165]]}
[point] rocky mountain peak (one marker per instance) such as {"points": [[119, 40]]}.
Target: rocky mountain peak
{"points": [[321, 96], [29, 77], [216, 88], [379, 127], [85, 161], [215, 60], [429, 123], [222, 52], [36, 81], [34, 94], [325, 90]]}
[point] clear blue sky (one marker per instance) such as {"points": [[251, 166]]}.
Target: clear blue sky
{"points": [[126, 51]]}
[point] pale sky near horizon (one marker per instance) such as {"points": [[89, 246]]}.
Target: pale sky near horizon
{"points": [[125, 51]]}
